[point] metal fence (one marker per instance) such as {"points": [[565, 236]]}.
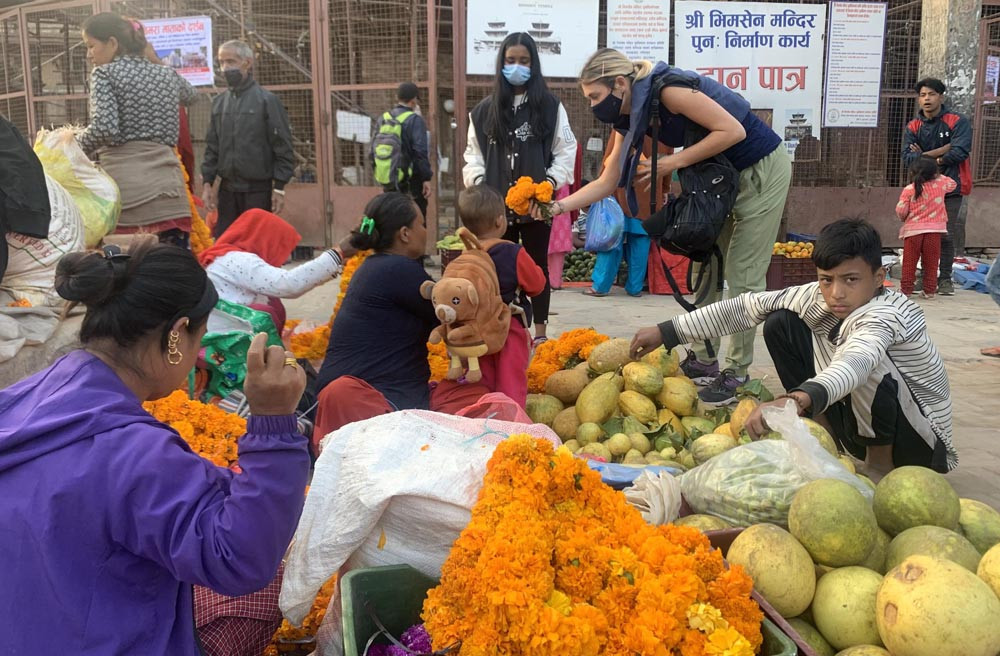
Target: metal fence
{"points": [[335, 66]]}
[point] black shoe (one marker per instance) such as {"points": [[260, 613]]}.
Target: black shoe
{"points": [[946, 287], [722, 391]]}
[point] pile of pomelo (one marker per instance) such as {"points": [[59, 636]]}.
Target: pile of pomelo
{"points": [[914, 573]]}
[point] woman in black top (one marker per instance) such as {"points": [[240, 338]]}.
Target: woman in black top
{"points": [[521, 129], [376, 361]]}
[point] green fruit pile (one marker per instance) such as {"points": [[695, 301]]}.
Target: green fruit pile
{"points": [[914, 573], [579, 266]]}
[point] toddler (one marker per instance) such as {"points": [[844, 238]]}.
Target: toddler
{"points": [[482, 211]]}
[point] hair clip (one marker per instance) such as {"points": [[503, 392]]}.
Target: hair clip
{"points": [[137, 26], [367, 225], [113, 252]]}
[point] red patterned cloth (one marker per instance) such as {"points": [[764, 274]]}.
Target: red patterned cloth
{"points": [[237, 626]]}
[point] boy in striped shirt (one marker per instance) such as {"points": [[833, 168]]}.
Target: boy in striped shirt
{"points": [[845, 348]]}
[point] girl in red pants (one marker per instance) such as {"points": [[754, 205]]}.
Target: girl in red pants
{"points": [[921, 209]]}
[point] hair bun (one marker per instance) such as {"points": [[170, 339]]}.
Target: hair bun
{"points": [[89, 278]]}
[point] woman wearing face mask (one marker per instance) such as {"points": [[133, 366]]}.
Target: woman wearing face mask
{"points": [[521, 130], [134, 127], [619, 90]]}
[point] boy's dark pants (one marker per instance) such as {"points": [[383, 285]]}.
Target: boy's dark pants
{"points": [[790, 343]]}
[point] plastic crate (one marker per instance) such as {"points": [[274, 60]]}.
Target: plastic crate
{"points": [[800, 236], [789, 271], [396, 595]]}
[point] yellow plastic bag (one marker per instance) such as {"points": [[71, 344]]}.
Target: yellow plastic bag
{"points": [[94, 191]]}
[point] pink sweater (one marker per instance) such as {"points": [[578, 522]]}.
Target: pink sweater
{"points": [[927, 213]]}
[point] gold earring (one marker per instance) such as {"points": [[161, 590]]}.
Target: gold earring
{"points": [[174, 356]]}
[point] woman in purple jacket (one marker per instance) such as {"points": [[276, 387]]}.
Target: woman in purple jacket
{"points": [[107, 517]]}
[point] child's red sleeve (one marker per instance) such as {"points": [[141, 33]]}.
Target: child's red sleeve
{"points": [[530, 276], [949, 184]]}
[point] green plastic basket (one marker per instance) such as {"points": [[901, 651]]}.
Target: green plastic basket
{"points": [[395, 594]]}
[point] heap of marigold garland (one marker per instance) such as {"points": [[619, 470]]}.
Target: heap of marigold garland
{"points": [[524, 191], [212, 433], [570, 349], [439, 361], [555, 562]]}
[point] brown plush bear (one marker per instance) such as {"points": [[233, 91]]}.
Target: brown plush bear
{"points": [[474, 319]]}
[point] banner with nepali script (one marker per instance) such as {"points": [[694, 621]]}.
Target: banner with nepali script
{"points": [[771, 54]]}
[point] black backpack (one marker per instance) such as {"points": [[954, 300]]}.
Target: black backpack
{"points": [[691, 224]]}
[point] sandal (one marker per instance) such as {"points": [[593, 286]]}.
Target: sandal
{"points": [[991, 352], [639, 295], [538, 341], [590, 291]]}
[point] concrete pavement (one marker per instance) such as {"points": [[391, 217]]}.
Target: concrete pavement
{"points": [[960, 325]]}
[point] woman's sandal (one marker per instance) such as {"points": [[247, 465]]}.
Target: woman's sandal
{"points": [[591, 292], [991, 352]]}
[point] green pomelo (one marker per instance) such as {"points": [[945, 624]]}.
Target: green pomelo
{"points": [[834, 522], [932, 541], [844, 607], [915, 496], [780, 567]]}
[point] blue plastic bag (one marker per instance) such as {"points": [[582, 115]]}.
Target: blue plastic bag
{"points": [[605, 226]]}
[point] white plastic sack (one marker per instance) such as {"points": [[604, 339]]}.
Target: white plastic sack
{"points": [[756, 482], [94, 191], [395, 489], [31, 269], [656, 495]]}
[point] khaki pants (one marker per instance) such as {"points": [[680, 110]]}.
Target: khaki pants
{"points": [[746, 242]]}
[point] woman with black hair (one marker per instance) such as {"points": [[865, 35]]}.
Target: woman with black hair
{"points": [[376, 361], [113, 504], [135, 127], [521, 129]]}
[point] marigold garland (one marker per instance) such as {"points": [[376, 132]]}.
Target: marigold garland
{"points": [[350, 267], [308, 345], [209, 431], [201, 236], [555, 562], [524, 191], [568, 350], [287, 637], [439, 361]]}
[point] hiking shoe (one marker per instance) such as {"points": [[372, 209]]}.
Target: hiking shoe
{"points": [[946, 287], [722, 391], [701, 373]]}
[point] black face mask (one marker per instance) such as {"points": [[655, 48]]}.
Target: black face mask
{"points": [[608, 110], [234, 77]]}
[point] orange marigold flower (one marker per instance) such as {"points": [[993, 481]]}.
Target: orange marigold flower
{"points": [[543, 192], [568, 350], [209, 431], [553, 561], [21, 302]]}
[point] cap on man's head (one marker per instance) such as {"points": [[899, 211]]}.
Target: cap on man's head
{"points": [[407, 91]]}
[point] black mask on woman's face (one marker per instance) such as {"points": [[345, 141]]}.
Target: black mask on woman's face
{"points": [[609, 109]]}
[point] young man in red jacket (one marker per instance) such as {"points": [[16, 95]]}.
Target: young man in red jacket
{"points": [[945, 136]]}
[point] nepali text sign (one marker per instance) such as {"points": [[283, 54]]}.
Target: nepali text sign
{"points": [[640, 28], [565, 32], [854, 64], [771, 54], [184, 44]]}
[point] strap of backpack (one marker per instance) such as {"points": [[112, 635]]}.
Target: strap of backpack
{"points": [[654, 121]]}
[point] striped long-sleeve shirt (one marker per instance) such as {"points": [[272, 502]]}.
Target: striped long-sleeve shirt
{"points": [[846, 352]]}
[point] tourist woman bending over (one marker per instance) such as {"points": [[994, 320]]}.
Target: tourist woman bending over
{"points": [[108, 516], [619, 93]]}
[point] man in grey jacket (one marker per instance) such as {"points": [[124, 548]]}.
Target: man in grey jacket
{"points": [[249, 143]]}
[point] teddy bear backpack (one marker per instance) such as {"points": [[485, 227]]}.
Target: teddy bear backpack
{"points": [[474, 319]]}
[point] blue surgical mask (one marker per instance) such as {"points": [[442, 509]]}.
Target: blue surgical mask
{"points": [[517, 74]]}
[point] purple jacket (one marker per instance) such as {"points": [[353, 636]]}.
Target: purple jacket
{"points": [[107, 517]]}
